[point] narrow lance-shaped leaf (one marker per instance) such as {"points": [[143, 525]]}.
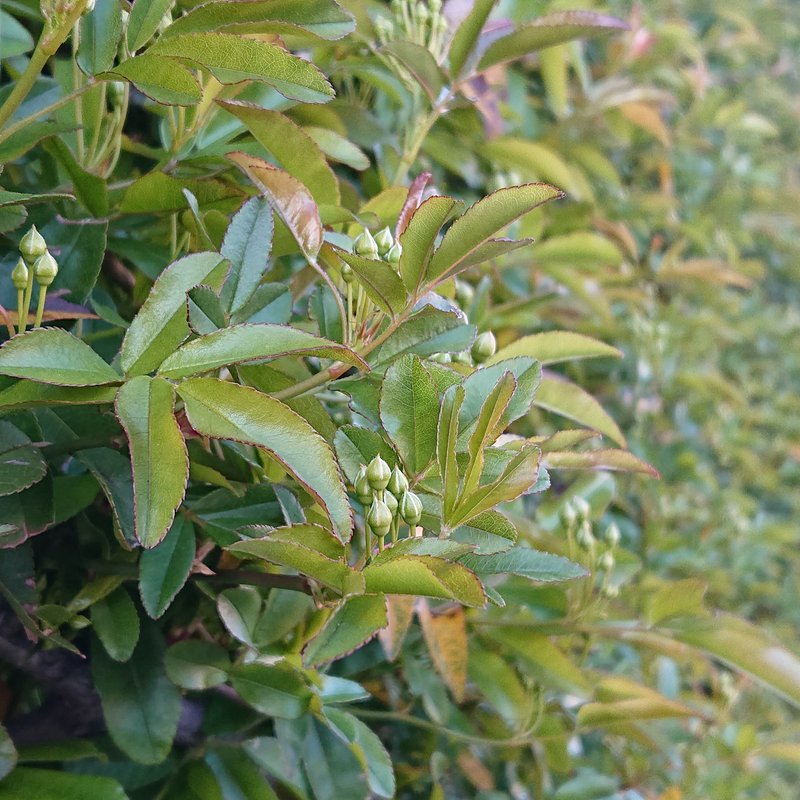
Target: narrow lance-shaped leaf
{"points": [[292, 200], [467, 35], [549, 30], [526, 562], [381, 283], [144, 19], [294, 149], [51, 355], [233, 59], [409, 410], [161, 324], [446, 441], [163, 570], [482, 221], [239, 344], [553, 347], [229, 411], [247, 246], [606, 459], [570, 401], [158, 454]]}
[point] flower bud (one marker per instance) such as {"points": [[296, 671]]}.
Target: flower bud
{"points": [[464, 293], [19, 275], [441, 358], [385, 241], [612, 535], [584, 537], [362, 487], [484, 347], [462, 358], [391, 503], [347, 273], [45, 269], [568, 515], [410, 508], [364, 245], [611, 591], [32, 245], [393, 256], [607, 561], [582, 507], [398, 483], [379, 518], [378, 474]]}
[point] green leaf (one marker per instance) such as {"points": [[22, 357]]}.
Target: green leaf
{"points": [[233, 769], [676, 599], [602, 460], [466, 36], [8, 753], [570, 401], [204, 310], [275, 690], [294, 149], [51, 355], [100, 32], [156, 191], [116, 623], [307, 561], [427, 576], [159, 459], [526, 562], [144, 19], [554, 347], [582, 249], [196, 665], [378, 279], [233, 59], [270, 303], [337, 148], [419, 238], [517, 478], [353, 623], [160, 78], [112, 471], [420, 63], [489, 532], [90, 190], [292, 201], [163, 570], [367, 748], [239, 344], [409, 412], [356, 446], [482, 221], [546, 31], [141, 707], [161, 325], [446, 440], [323, 18], [239, 609], [745, 647], [26, 783], [14, 37], [21, 464], [227, 411], [247, 246], [8, 199]]}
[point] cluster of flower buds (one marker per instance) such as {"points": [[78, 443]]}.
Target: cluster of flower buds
{"points": [[385, 493], [381, 246], [419, 21], [483, 348], [37, 264]]}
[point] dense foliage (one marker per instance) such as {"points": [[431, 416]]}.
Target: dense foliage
{"points": [[397, 399]]}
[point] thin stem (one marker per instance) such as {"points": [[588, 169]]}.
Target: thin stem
{"points": [[98, 123], [40, 307], [76, 82], [20, 303], [26, 301]]}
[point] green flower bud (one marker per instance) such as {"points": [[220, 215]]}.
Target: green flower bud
{"points": [[379, 518], [441, 358], [347, 273], [32, 245], [393, 256], [411, 508], [611, 592], [19, 275], [568, 515], [364, 245], [462, 358], [435, 6], [398, 483], [582, 507], [362, 487], [45, 269], [612, 535], [607, 561], [484, 347], [464, 293], [385, 241], [378, 474], [391, 503], [584, 538]]}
